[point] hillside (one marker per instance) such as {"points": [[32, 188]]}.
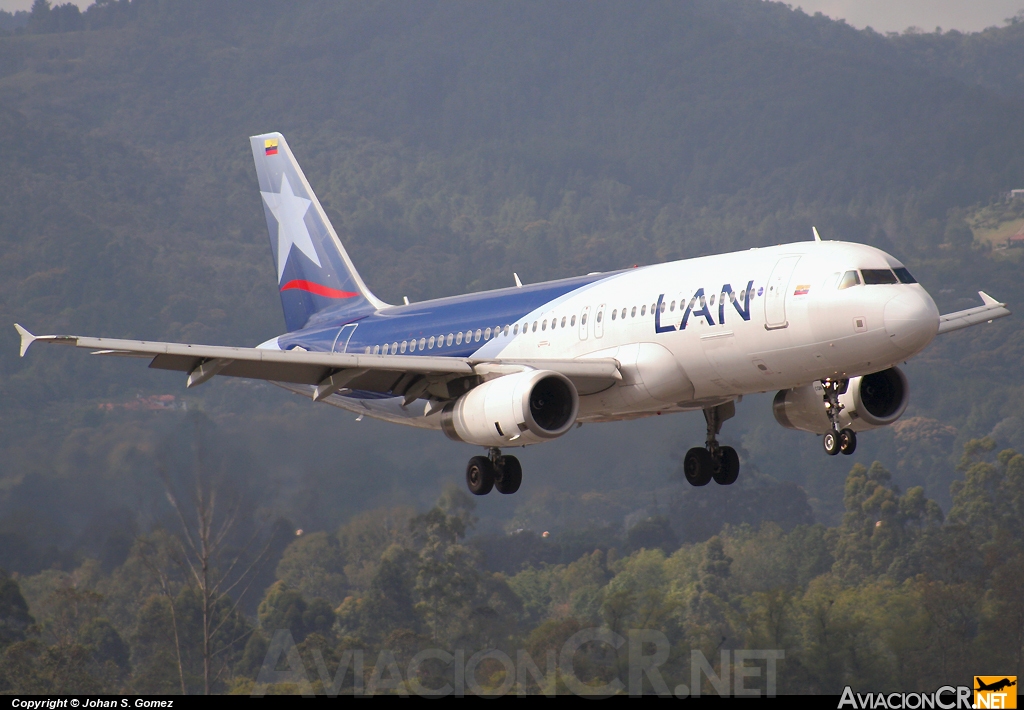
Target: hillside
{"points": [[454, 143]]}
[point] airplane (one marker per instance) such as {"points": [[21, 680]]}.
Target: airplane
{"points": [[824, 323], [997, 685]]}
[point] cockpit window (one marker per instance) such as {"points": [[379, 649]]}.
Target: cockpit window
{"points": [[879, 276], [904, 276], [850, 278]]}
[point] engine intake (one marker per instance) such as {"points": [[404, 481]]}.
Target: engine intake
{"points": [[522, 408], [870, 401]]}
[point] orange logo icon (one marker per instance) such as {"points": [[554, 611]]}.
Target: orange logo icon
{"points": [[995, 691]]}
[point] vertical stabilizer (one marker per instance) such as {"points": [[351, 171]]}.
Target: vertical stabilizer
{"points": [[314, 272]]}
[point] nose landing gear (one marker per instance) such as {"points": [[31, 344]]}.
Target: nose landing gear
{"points": [[837, 440], [494, 471], [713, 462]]}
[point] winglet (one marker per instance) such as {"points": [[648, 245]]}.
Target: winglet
{"points": [[518, 282], [817, 237], [988, 300], [26, 339]]}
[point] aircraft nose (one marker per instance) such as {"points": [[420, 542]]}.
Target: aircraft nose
{"points": [[911, 320]]}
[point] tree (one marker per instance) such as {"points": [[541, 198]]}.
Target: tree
{"points": [[285, 608], [880, 527], [213, 550], [447, 580], [15, 621], [314, 566]]}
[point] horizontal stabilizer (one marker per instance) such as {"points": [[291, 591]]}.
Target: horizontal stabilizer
{"points": [[986, 313]]}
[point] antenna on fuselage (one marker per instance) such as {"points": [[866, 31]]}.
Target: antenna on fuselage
{"points": [[817, 237]]}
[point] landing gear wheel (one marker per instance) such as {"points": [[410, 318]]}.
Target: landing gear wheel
{"points": [[508, 475], [831, 443], [698, 467], [847, 441], [727, 466], [480, 475]]}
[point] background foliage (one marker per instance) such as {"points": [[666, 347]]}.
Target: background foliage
{"points": [[453, 143]]}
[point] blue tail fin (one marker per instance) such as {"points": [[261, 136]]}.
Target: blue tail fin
{"points": [[314, 273]]}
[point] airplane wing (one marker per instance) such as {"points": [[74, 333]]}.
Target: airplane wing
{"points": [[411, 376], [986, 313]]}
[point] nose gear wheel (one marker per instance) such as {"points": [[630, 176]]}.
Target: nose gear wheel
{"points": [[837, 440]]}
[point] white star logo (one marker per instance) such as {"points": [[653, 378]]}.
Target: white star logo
{"points": [[289, 210]]}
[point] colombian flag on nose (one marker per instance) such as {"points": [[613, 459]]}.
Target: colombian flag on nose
{"points": [[270, 145]]}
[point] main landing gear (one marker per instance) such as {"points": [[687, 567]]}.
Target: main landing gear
{"points": [[837, 440], [720, 463], [493, 471]]}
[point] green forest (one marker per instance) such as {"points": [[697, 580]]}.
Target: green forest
{"points": [[453, 143]]}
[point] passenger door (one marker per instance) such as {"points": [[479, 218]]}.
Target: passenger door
{"points": [[775, 293]]}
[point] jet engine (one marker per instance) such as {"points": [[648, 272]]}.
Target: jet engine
{"points": [[513, 410], [869, 401]]}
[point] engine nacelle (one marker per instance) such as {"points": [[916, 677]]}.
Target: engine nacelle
{"points": [[513, 410], [870, 401]]}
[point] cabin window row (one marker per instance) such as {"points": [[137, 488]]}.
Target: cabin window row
{"points": [[486, 334], [670, 306], [438, 341]]}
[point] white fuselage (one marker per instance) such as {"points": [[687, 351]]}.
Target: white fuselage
{"points": [[798, 326]]}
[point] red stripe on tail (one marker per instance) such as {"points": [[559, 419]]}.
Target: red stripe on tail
{"points": [[317, 289]]}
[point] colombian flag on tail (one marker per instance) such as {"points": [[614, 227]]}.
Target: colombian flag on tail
{"points": [[270, 146]]}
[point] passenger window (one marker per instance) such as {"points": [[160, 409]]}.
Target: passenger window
{"points": [[703, 303], [487, 333], [563, 321], [515, 330], [423, 342], [904, 276], [448, 341], [672, 306], [643, 310], [367, 351], [544, 324], [850, 278], [505, 332], [394, 348], [583, 320], [385, 351], [430, 343], [600, 315], [873, 277], [632, 313], [572, 321], [614, 314], [458, 338], [712, 299], [479, 334], [403, 346], [376, 349]]}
